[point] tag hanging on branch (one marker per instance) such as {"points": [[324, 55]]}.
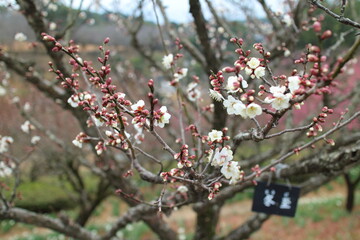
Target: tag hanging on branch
{"points": [[275, 199]]}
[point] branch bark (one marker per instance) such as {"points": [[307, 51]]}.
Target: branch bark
{"points": [[212, 62], [67, 228]]}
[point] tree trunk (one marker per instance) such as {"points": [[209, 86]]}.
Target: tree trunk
{"points": [[206, 222], [350, 198]]}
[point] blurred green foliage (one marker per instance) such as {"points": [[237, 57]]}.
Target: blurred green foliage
{"points": [[50, 194]]}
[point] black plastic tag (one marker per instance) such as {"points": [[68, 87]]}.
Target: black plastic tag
{"points": [[275, 199]]}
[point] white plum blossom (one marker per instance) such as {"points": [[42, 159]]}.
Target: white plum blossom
{"points": [[82, 15], [253, 110], [277, 89], [5, 170], [15, 100], [216, 95], [221, 30], [75, 99], [221, 157], [248, 71], [282, 101], [167, 61], [108, 133], [20, 37], [231, 170], [91, 21], [2, 91], [77, 143], [139, 136], [35, 139], [52, 26], [182, 189], [234, 106], [259, 72], [254, 69], [79, 139], [244, 84], [294, 83], [215, 135], [193, 92], [27, 107], [233, 84], [99, 151], [164, 119], [180, 74], [4, 143], [279, 100], [97, 121], [139, 105], [287, 20], [26, 127], [52, 7], [253, 63], [287, 53]]}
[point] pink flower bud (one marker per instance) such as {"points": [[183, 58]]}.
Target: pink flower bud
{"points": [[326, 34], [317, 26], [107, 40], [228, 69], [314, 49], [312, 58], [330, 141]]}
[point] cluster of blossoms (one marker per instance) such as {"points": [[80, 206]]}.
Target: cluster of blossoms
{"points": [[182, 189], [168, 61], [2, 91], [280, 99], [183, 157], [237, 107], [169, 176], [100, 147], [279, 96], [254, 69], [115, 139], [222, 157], [80, 99], [20, 37], [113, 106], [6, 169], [26, 127], [35, 140], [317, 121], [80, 139], [180, 74], [5, 143], [193, 92], [160, 117]]}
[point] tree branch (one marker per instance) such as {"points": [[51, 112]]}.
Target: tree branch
{"points": [[339, 18], [69, 229]]}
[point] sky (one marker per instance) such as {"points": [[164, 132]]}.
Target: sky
{"points": [[178, 10]]}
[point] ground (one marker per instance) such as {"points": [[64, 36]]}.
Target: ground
{"points": [[320, 215]]}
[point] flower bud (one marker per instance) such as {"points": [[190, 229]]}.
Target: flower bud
{"points": [[317, 26], [326, 34], [107, 40]]}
